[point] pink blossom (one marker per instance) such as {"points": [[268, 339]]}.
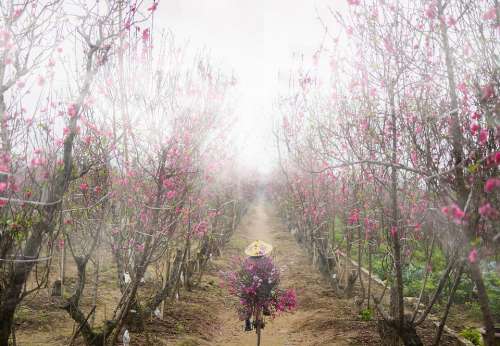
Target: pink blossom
{"points": [[472, 256], [287, 301], [17, 13], [413, 157], [496, 157], [353, 2], [483, 136], [14, 187], [72, 110], [454, 211], [458, 213], [171, 195], [123, 182], [4, 37], [84, 187], [145, 35], [168, 184], [474, 128], [201, 228], [394, 231], [491, 14], [3, 202], [431, 11], [37, 161], [354, 217], [3, 186], [487, 211], [487, 92], [247, 283], [462, 87], [491, 184], [87, 140], [127, 24], [153, 7], [5, 158]]}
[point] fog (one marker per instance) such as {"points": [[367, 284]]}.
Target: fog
{"points": [[258, 41]]}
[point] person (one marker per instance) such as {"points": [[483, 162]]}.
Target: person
{"points": [[255, 252]]}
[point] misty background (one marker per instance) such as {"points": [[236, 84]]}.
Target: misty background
{"points": [[259, 42]]}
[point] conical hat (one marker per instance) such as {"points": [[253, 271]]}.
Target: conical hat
{"points": [[258, 248]]}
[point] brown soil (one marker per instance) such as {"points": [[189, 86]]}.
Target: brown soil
{"points": [[207, 315], [321, 318]]}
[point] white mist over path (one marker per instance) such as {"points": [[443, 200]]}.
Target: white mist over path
{"points": [[257, 40]]}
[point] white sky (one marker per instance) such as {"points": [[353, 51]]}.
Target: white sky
{"points": [[256, 39]]}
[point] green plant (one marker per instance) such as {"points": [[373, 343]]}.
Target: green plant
{"points": [[473, 335], [473, 310], [492, 281], [366, 314], [464, 290], [179, 327]]}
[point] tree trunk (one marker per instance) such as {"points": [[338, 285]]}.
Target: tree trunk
{"points": [[11, 294], [409, 335], [460, 183], [482, 296], [396, 292], [448, 305]]}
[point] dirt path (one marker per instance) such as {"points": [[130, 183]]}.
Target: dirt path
{"points": [[206, 315], [321, 318]]}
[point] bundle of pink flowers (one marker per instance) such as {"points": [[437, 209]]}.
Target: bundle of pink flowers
{"points": [[256, 283]]}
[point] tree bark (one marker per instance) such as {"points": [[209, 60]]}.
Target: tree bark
{"points": [[459, 181]]}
